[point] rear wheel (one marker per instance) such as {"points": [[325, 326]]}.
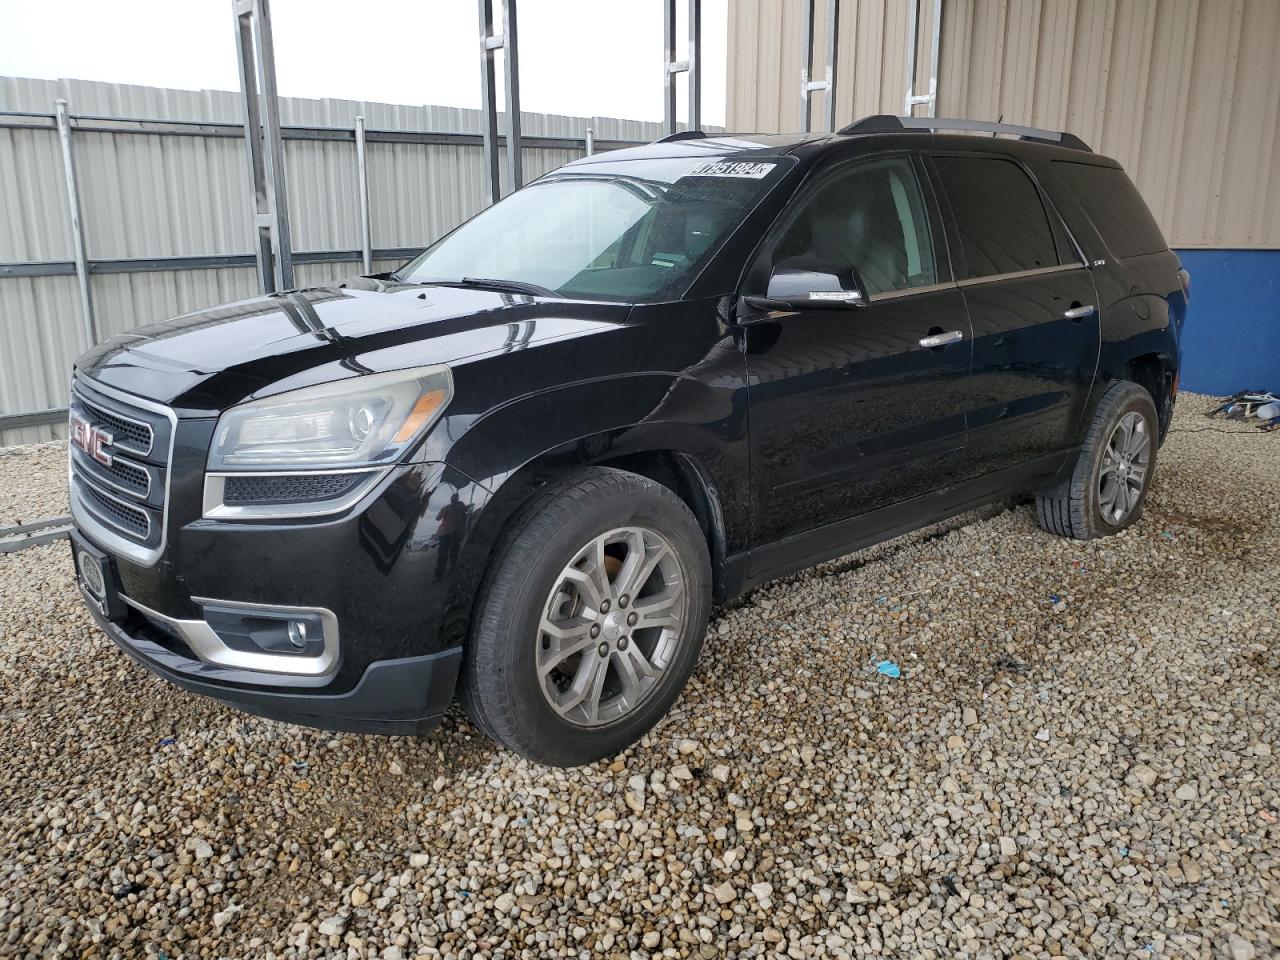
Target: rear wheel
{"points": [[591, 619], [1109, 485]]}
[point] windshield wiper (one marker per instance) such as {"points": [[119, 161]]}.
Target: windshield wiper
{"points": [[484, 283], [510, 286], [487, 283]]}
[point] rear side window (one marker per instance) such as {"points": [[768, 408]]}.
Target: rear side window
{"points": [[1004, 227], [1115, 207]]}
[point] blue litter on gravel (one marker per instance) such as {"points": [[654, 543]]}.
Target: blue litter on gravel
{"points": [[165, 741], [889, 669]]}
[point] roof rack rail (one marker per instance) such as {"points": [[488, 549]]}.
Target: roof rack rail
{"points": [[682, 135], [886, 123]]}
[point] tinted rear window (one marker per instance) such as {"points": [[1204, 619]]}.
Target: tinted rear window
{"points": [[1004, 227], [1115, 207]]}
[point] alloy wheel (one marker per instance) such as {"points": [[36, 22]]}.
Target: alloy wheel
{"points": [[611, 626], [1125, 464]]}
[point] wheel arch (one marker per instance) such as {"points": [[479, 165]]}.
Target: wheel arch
{"points": [[678, 470], [1154, 373]]}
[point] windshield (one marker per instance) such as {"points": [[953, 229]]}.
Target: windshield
{"points": [[630, 230]]}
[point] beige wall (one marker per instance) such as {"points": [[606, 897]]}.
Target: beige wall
{"points": [[1184, 93]]}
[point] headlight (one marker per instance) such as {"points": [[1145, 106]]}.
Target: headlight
{"points": [[364, 421], [318, 450]]}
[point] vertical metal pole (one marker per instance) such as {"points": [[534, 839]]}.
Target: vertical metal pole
{"points": [[489, 103], [930, 99], [591, 142], [935, 56], [695, 64], [77, 226], [833, 31], [253, 143], [668, 65], [362, 174], [806, 68], [913, 25], [809, 86], [263, 144], [511, 67], [274, 147]]}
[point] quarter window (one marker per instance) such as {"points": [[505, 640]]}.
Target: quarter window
{"points": [[870, 218], [1003, 225], [1115, 207]]}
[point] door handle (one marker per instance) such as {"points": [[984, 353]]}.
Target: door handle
{"points": [[941, 339], [1080, 312]]}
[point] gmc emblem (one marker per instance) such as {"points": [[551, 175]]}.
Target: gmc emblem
{"points": [[91, 440]]}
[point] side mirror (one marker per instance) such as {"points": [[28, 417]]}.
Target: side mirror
{"points": [[792, 289]]}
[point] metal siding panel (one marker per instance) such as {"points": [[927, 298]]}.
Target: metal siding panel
{"points": [[1182, 92], [163, 196]]}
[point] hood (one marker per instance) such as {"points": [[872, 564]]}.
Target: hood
{"points": [[206, 361]]}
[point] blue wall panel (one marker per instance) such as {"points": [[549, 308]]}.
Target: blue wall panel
{"points": [[1231, 340]]}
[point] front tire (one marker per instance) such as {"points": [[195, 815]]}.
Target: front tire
{"points": [[590, 620], [1109, 485]]}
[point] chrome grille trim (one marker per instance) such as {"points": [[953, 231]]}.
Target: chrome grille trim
{"points": [[124, 442], [110, 535], [100, 476], [104, 516]]}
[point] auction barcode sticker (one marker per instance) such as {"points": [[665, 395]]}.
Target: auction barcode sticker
{"points": [[748, 169]]}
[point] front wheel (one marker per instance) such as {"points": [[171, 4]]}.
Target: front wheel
{"points": [[590, 620], [1109, 485]]}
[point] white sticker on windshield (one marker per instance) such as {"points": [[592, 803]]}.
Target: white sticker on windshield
{"points": [[748, 169]]}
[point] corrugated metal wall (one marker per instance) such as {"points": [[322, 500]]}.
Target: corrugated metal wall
{"points": [[167, 196], [1184, 93]]}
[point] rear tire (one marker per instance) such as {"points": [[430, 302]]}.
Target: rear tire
{"points": [[1108, 487], [590, 619]]}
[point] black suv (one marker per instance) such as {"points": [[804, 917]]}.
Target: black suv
{"points": [[524, 467]]}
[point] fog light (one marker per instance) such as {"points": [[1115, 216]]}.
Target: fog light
{"points": [[260, 630]]}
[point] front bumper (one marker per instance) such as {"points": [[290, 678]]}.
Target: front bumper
{"points": [[379, 581], [404, 696]]}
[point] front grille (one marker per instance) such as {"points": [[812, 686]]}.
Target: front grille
{"points": [[118, 513], [299, 488], [127, 433], [121, 475], [121, 493]]}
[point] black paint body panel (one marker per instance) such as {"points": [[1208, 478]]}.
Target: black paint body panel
{"points": [[806, 434]]}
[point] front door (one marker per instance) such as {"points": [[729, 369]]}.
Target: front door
{"points": [[857, 408], [1032, 304]]}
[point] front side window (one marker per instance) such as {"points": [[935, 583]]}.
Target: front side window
{"points": [[869, 219], [1002, 220], [630, 230]]}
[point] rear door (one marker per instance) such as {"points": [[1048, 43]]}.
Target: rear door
{"points": [[1033, 308], [848, 410]]}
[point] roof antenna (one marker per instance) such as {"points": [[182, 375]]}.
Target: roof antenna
{"points": [[999, 119]]}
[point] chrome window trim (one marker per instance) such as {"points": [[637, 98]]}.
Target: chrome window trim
{"points": [[79, 512], [208, 646], [88, 402], [909, 291], [1020, 274], [214, 508]]}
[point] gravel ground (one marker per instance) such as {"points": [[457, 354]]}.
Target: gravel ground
{"points": [[1087, 775], [33, 483]]}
